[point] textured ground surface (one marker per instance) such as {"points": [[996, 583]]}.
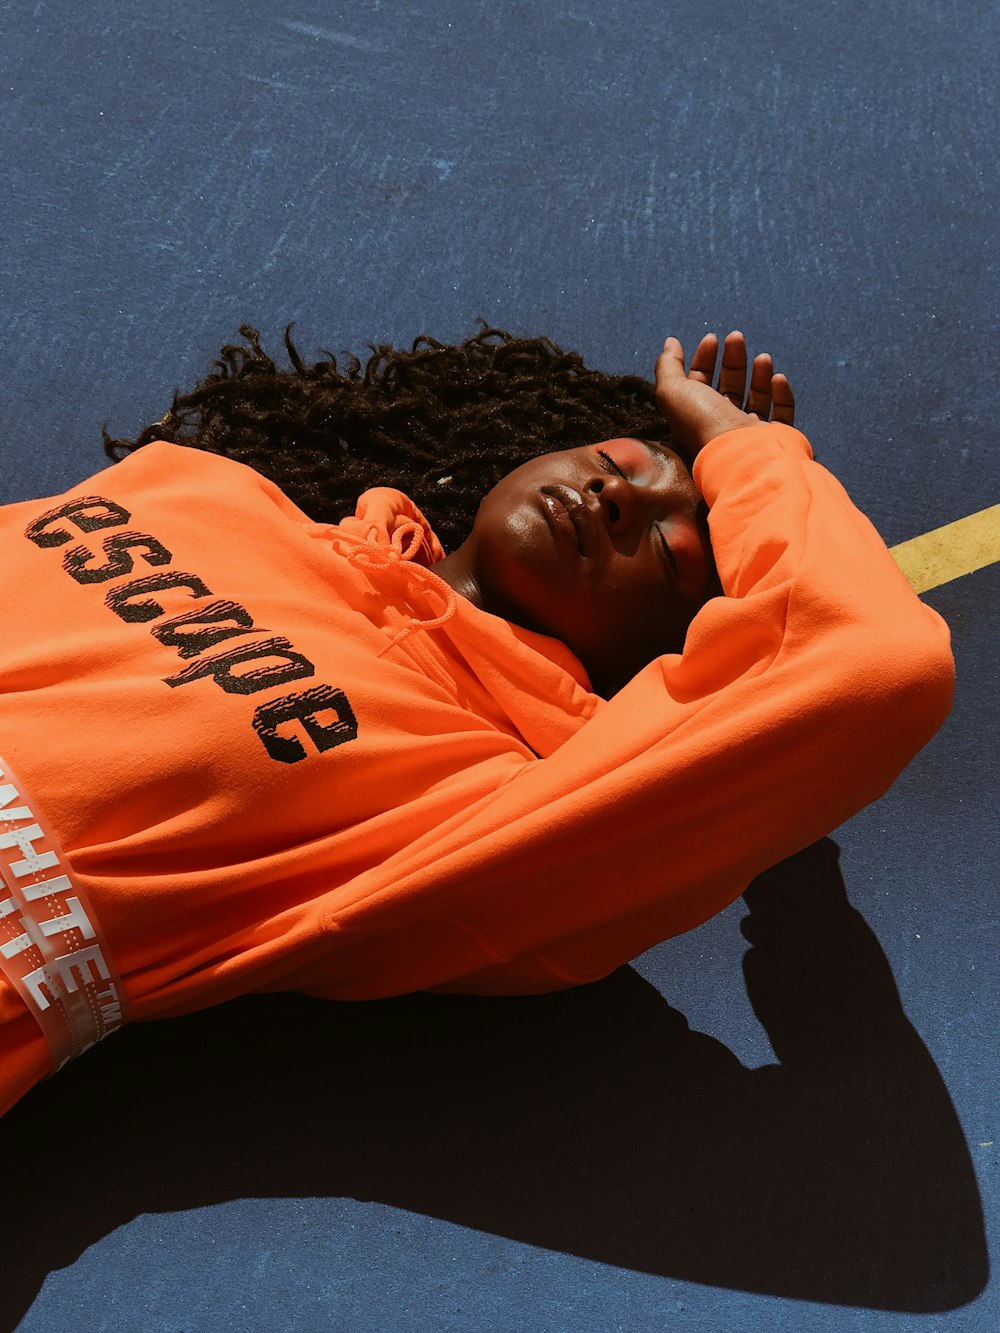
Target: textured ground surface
{"points": [[804, 1139]]}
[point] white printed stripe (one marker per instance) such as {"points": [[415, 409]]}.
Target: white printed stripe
{"points": [[52, 949]]}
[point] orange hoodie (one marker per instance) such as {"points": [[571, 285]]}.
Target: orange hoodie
{"points": [[285, 756]]}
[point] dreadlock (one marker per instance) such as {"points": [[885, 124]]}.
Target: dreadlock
{"points": [[441, 423]]}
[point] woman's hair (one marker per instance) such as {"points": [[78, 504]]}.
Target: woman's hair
{"points": [[441, 423]]}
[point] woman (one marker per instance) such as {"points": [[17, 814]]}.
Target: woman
{"points": [[247, 751]]}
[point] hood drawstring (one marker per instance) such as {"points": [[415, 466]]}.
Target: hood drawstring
{"points": [[397, 557]]}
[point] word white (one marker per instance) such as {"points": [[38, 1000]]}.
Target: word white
{"points": [[51, 946]]}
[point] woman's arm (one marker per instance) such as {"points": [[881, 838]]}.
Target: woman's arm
{"points": [[798, 699]]}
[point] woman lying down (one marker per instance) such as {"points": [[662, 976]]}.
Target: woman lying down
{"points": [[470, 669]]}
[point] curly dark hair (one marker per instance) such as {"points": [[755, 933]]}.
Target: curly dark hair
{"points": [[441, 423]]}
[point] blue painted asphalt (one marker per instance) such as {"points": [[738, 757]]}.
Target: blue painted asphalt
{"points": [[801, 1136]]}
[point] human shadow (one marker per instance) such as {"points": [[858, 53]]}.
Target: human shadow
{"points": [[593, 1122]]}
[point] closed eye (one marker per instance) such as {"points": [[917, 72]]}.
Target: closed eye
{"points": [[609, 464], [666, 549]]}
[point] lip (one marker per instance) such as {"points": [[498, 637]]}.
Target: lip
{"points": [[568, 516]]}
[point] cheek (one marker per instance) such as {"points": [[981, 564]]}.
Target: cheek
{"points": [[643, 616], [518, 568], [513, 539]]}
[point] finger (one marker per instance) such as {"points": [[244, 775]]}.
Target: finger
{"points": [[703, 361], [733, 375], [759, 397], [670, 362], [783, 400]]}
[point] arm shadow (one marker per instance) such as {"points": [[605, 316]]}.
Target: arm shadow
{"points": [[593, 1122]]}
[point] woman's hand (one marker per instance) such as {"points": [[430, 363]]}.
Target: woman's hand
{"points": [[697, 413]]}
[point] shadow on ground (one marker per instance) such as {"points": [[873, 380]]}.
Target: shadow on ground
{"points": [[592, 1122]]}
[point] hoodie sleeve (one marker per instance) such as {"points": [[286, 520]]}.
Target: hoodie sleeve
{"points": [[799, 698]]}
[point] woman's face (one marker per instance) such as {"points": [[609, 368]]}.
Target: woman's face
{"points": [[604, 547]]}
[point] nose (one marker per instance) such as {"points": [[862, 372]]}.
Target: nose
{"points": [[628, 509], [619, 501]]}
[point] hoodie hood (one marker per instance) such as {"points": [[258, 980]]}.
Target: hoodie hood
{"points": [[537, 683]]}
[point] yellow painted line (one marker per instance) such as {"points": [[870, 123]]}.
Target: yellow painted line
{"points": [[949, 552]]}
